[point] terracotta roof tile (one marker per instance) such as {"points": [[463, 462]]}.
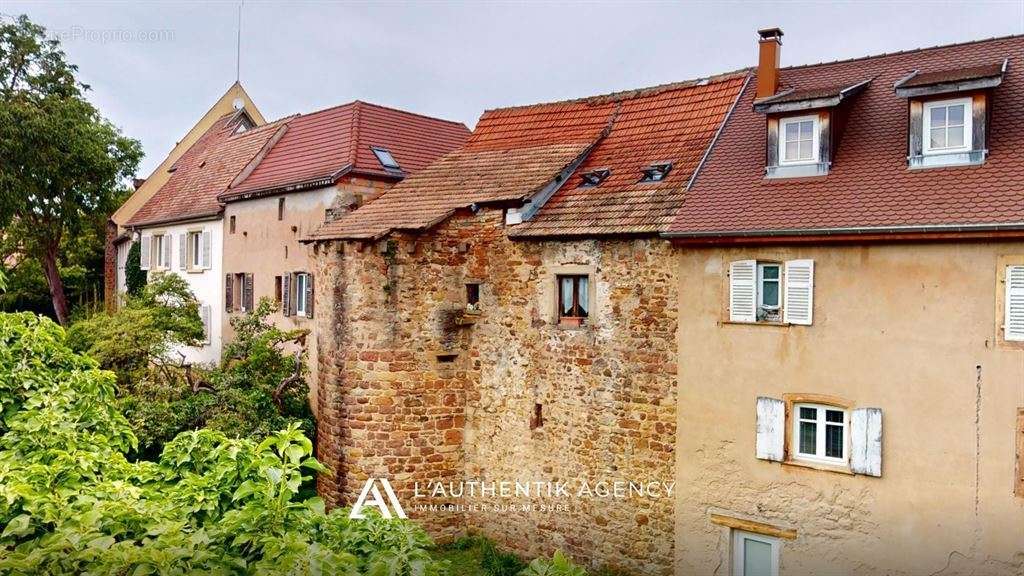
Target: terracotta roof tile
{"points": [[514, 152], [869, 184], [321, 145], [956, 75], [205, 170]]}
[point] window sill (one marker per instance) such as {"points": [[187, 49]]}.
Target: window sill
{"points": [[775, 324], [947, 160], [837, 468], [805, 170], [572, 324]]}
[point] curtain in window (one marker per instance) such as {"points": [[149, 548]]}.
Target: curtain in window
{"points": [[566, 296], [584, 295]]}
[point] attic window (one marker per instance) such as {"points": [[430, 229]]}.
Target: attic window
{"points": [[656, 172], [386, 159], [594, 177]]}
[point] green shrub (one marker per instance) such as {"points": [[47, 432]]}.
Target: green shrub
{"points": [[71, 502], [558, 565], [134, 275], [497, 562]]}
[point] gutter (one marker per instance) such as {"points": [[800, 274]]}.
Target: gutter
{"points": [[192, 218], [857, 230]]}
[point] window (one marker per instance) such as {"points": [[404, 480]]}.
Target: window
{"points": [[1013, 304], [771, 292], [231, 225], [473, 296], [277, 289], [754, 554], [239, 290], [798, 140], [301, 282], [161, 251], [573, 299], [819, 433], [280, 208], [947, 126], [195, 250], [594, 177], [769, 298], [656, 172], [386, 159]]}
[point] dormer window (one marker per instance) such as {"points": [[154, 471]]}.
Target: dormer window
{"points": [[386, 159], [656, 172], [594, 177], [798, 140], [947, 126]]}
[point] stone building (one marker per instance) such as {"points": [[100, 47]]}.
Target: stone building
{"points": [[510, 314], [851, 321]]}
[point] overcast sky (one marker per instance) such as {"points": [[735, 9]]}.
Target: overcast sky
{"points": [[156, 68]]}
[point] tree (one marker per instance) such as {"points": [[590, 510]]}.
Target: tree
{"points": [[134, 275], [61, 162]]}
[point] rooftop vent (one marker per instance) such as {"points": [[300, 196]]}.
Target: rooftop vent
{"points": [[594, 177], [385, 158], [656, 172]]}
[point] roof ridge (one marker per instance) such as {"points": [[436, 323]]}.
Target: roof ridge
{"points": [[902, 52], [353, 150], [634, 92], [263, 127], [410, 113]]}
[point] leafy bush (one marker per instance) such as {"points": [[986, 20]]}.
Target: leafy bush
{"points": [[558, 565], [134, 275], [71, 502], [497, 562]]}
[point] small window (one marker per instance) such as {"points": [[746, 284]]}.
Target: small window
{"points": [[159, 252], [277, 289], [754, 554], [819, 433], [386, 159], [280, 208], [656, 172], [798, 140], [473, 296], [769, 295], [231, 225], [301, 279], [195, 250], [947, 126], [573, 299], [594, 177]]}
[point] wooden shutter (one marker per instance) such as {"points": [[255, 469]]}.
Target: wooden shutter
{"points": [[771, 429], [144, 253], [204, 314], [286, 295], [1013, 304], [866, 441], [743, 291], [247, 292], [309, 295], [798, 300], [168, 240], [206, 249], [183, 251], [229, 285]]}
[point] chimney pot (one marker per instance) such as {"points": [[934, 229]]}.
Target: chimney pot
{"points": [[770, 46]]}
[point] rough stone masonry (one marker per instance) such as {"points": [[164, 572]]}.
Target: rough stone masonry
{"points": [[415, 389]]}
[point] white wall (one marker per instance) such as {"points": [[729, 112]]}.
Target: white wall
{"points": [[207, 285]]}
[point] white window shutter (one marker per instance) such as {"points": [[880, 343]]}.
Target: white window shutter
{"points": [[866, 441], [743, 291], [204, 314], [1013, 304], [168, 240], [183, 251], [144, 253], [798, 300], [207, 249], [771, 429], [286, 294]]}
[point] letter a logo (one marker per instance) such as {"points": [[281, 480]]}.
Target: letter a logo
{"points": [[377, 500]]}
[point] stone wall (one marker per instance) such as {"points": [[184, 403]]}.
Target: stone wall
{"points": [[415, 390]]}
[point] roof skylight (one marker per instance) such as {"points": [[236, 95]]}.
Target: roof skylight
{"points": [[386, 159], [656, 172], [594, 177]]}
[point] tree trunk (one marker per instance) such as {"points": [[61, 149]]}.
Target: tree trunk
{"points": [[60, 301]]}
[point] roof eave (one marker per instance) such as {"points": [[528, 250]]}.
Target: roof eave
{"points": [[201, 217], [950, 87], [766, 106], [842, 234]]}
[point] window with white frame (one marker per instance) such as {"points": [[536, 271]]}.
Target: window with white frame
{"points": [[820, 433], [798, 140], [947, 126], [160, 252], [771, 292], [769, 296], [754, 554], [301, 282], [195, 250]]}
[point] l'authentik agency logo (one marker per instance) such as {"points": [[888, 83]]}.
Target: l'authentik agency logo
{"points": [[377, 500]]}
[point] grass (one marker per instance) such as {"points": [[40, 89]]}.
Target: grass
{"points": [[473, 555]]}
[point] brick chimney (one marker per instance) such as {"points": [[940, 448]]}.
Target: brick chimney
{"points": [[768, 61]]}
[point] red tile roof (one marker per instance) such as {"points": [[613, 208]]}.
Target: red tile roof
{"points": [[205, 170], [869, 185], [320, 146], [957, 75], [515, 152]]}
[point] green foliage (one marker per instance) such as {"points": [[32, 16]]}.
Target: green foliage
{"points": [[62, 165], [71, 502], [497, 562], [558, 565], [134, 275]]}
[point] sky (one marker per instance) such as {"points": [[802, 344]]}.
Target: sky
{"points": [[156, 68]]}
